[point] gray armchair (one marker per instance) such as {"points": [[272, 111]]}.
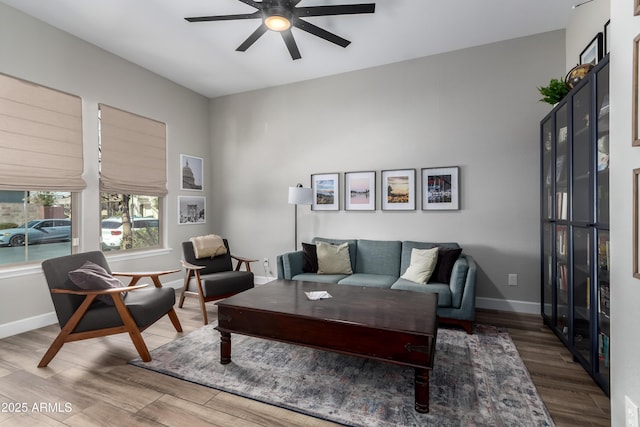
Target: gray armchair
{"points": [[213, 278], [84, 313]]}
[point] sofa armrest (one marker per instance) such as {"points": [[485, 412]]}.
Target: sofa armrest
{"points": [[290, 264], [465, 287]]}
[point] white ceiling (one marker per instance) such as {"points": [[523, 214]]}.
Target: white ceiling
{"points": [[202, 56]]}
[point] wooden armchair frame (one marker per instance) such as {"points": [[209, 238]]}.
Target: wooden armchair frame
{"points": [[129, 324]]}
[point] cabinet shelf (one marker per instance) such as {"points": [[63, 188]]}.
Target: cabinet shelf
{"points": [[575, 237]]}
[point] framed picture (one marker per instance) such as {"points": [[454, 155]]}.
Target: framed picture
{"points": [[191, 173], [636, 7], [636, 92], [593, 52], [607, 36], [441, 188], [360, 191], [636, 226], [192, 210], [398, 190], [326, 194]]}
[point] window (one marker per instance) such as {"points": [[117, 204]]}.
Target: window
{"points": [[132, 179], [41, 167], [34, 226]]}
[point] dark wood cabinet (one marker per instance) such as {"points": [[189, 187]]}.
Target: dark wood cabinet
{"points": [[574, 228]]}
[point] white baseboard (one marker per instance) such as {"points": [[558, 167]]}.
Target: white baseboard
{"points": [[261, 280], [508, 305], [28, 324]]}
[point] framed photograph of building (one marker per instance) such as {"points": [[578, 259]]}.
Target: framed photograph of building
{"points": [[441, 188], [326, 191], [398, 190], [360, 191], [191, 172], [192, 210]]}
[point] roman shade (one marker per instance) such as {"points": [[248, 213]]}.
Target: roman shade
{"points": [[40, 138], [133, 157]]}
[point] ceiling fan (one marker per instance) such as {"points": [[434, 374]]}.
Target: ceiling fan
{"points": [[282, 15]]}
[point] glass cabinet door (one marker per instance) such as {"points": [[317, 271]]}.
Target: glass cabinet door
{"points": [[548, 169], [582, 206], [582, 290], [603, 305], [547, 270], [602, 221], [602, 149], [562, 279], [562, 164]]}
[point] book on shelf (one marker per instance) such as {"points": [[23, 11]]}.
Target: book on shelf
{"points": [[603, 349], [603, 298], [563, 277], [561, 204]]}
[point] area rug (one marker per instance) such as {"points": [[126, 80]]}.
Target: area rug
{"points": [[478, 380]]}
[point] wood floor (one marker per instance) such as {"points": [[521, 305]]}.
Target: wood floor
{"points": [[89, 382]]}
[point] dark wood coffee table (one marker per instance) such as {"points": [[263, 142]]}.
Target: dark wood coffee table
{"points": [[388, 325]]}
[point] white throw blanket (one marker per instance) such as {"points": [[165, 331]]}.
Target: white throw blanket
{"points": [[210, 245]]}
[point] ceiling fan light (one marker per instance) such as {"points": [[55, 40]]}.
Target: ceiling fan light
{"points": [[277, 23]]}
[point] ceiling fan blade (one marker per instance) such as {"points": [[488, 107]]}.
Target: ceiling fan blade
{"points": [[287, 36], [252, 3], [346, 9], [253, 15], [317, 31], [252, 38]]}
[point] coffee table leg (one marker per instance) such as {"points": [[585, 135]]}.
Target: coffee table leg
{"points": [[225, 348], [422, 390]]}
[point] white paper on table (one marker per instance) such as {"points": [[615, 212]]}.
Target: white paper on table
{"points": [[316, 295]]}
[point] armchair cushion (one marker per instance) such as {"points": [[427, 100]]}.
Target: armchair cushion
{"points": [[92, 277], [146, 306], [226, 283]]}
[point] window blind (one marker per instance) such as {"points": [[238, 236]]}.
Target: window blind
{"points": [[133, 157], [40, 137]]}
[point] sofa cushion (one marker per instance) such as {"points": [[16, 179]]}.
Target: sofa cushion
{"points": [[443, 291], [408, 245], [369, 280], [333, 259], [319, 278], [310, 258], [423, 263], [378, 257], [352, 247], [446, 259]]}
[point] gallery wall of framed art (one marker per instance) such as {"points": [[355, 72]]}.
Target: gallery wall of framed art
{"points": [[398, 190]]}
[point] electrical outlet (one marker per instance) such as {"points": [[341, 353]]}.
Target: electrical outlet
{"points": [[513, 279], [631, 416]]}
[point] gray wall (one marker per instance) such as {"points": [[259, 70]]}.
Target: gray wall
{"points": [[625, 290], [475, 108], [40, 53]]}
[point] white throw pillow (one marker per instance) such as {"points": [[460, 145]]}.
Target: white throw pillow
{"points": [[333, 259], [422, 265]]}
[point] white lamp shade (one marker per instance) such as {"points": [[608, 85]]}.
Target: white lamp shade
{"points": [[300, 196]]}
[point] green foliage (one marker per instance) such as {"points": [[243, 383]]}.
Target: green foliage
{"points": [[44, 198], [7, 225], [554, 93]]}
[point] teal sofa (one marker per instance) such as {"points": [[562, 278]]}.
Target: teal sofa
{"points": [[380, 263]]}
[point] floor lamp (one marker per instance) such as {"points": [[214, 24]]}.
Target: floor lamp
{"points": [[299, 195]]}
